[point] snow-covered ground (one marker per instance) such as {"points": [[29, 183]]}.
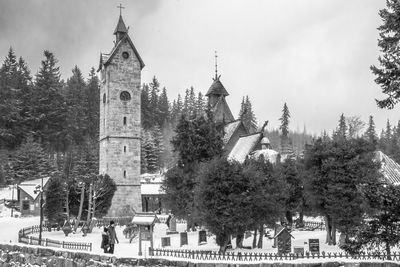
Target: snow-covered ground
{"points": [[126, 249], [9, 234]]}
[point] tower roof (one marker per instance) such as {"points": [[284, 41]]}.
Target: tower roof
{"points": [[120, 26], [217, 88]]}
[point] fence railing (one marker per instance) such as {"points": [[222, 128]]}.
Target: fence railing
{"points": [[24, 237], [243, 256], [105, 221], [314, 225]]}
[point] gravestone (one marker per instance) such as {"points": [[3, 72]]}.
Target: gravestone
{"points": [[202, 237], [165, 241], [184, 238], [313, 245], [298, 250]]}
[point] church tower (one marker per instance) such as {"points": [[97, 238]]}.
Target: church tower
{"points": [[216, 99], [119, 139]]}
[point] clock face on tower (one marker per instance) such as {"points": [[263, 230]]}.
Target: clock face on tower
{"points": [[125, 96]]}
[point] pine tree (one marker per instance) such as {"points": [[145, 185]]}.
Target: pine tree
{"points": [[9, 103], [77, 106], [185, 109], [93, 100], [200, 105], [341, 130], [163, 107], [145, 107], [388, 73], [192, 102], [286, 146], [154, 95], [48, 115], [247, 115], [151, 155], [28, 162], [55, 197], [370, 134]]}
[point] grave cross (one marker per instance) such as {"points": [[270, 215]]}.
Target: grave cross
{"points": [[120, 9]]}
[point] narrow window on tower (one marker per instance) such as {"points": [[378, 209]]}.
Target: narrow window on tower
{"points": [[124, 174], [124, 149], [124, 120]]}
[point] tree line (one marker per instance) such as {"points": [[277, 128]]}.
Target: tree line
{"points": [[337, 177]]}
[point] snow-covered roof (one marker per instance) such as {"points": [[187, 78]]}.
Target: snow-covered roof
{"points": [[152, 177], [244, 146], [30, 186], [389, 168], [152, 189], [269, 154], [145, 219], [6, 193], [229, 129]]}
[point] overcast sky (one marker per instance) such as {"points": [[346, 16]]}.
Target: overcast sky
{"points": [[313, 54]]}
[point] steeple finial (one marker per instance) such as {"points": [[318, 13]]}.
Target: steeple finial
{"points": [[120, 9], [216, 66]]}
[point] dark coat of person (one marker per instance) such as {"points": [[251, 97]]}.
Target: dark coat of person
{"points": [[105, 239], [113, 234]]}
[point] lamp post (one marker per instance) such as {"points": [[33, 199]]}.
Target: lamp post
{"points": [[39, 188]]}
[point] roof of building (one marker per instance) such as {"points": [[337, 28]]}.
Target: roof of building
{"points": [[145, 219], [29, 187], [244, 146], [152, 189], [389, 168], [221, 109], [120, 26], [268, 154], [217, 88], [229, 130]]}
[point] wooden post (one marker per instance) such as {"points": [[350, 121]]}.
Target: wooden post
{"points": [[151, 237], [140, 241]]}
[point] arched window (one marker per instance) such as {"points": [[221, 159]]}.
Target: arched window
{"points": [[124, 120], [124, 174], [124, 149]]}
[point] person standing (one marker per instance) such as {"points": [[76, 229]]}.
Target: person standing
{"points": [[113, 237], [105, 240]]}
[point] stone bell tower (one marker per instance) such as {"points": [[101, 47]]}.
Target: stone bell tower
{"points": [[119, 139]]}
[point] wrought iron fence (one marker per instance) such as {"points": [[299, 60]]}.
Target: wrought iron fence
{"points": [[24, 237], [244, 256]]}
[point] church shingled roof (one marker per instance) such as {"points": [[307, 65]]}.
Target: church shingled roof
{"points": [[217, 88], [120, 26]]}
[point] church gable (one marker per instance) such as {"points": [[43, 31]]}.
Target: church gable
{"points": [[125, 45]]}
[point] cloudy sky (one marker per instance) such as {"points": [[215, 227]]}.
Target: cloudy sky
{"points": [[313, 54]]}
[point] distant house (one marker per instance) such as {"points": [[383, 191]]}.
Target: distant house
{"points": [[29, 197]]}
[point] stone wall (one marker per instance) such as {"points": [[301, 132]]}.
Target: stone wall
{"points": [[17, 255], [120, 128]]}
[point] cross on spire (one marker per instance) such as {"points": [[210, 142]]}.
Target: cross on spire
{"points": [[216, 65], [120, 9]]}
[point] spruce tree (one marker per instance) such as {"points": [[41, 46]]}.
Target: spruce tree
{"points": [[370, 134], [29, 161], [200, 105], [77, 105], [145, 107], [48, 115], [163, 107], [247, 115], [93, 100], [388, 72], [55, 200], [341, 131]]}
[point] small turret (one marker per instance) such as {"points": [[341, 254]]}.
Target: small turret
{"points": [[120, 30]]}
